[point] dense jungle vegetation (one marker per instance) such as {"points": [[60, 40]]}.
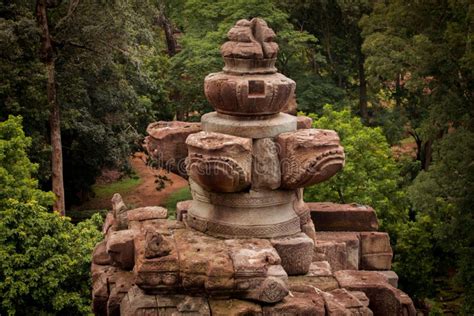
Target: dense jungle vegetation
{"points": [[81, 79]]}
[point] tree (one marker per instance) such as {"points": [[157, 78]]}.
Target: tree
{"points": [[110, 71], [335, 24], [44, 259], [370, 175], [420, 55]]}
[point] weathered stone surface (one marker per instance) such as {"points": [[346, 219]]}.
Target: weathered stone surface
{"points": [[234, 307], [157, 245], [147, 213], [303, 122], [257, 271], [121, 249], [182, 209], [302, 210], [308, 303], [296, 253], [100, 255], [252, 128], [109, 223], [352, 245], [251, 49], [119, 210], [260, 214], [391, 276], [266, 173], [166, 144], [291, 106], [219, 162], [254, 95], [136, 302], [343, 217], [118, 284], [332, 251], [383, 298], [309, 156], [159, 274], [376, 253], [349, 302], [204, 263], [319, 276]]}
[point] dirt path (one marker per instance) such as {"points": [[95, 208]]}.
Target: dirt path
{"points": [[145, 194]]}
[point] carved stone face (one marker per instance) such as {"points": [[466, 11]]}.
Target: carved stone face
{"points": [[309, 156]]}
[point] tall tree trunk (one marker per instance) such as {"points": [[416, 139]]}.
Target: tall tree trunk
{"points": [[167, 27], [362, 87], [47, 56]]}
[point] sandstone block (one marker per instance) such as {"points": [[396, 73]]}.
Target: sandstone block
{"points": [[350, 302], [120, 248], [204, 263], [352, 245], [119, 210], [319, 276], [391, 276], [219, 162], [234, 307], [109, 223], [332, 251], [182, 209], [296, 253], [166, 143], [307, 303], [384, 299], [158, 274], [100, 255], [257, 270], [303, 122], [343, 217], [266, 165], [147, 213], [376, 253], [118, 284], [136, 302], [309, 156], [270, 127]]}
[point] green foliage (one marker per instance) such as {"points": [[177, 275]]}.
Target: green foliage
{"points": [[121, 186], [444, 194], [44, 259], [182, 194], [370, 175]]}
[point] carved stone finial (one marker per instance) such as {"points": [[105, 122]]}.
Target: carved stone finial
{"points": [[251, 48]]}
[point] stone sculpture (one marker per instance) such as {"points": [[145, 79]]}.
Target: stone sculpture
{"points": [[246, 244]]}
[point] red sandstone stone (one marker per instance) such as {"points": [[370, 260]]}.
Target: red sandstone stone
{"points": [[376, 253], [296, 253], [234, 307], [332, 251], [100, 255], [383, 298], [182, 209], [352, 245], [121, 249], [147, 213], [303, 122], [343, 217]]}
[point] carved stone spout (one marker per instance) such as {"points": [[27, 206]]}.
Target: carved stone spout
{"points": [[219, 162], [309, 156]]}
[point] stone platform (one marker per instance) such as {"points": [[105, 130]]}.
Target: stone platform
{"points": [[158, 266]]}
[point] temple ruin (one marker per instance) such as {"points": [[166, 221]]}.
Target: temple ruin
{"points": [[247, 243]]}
